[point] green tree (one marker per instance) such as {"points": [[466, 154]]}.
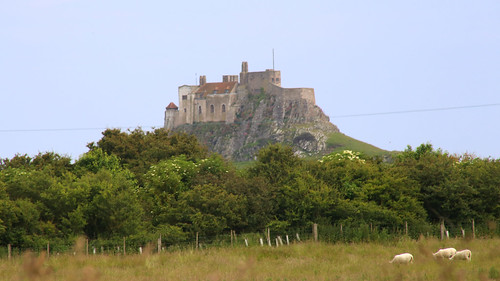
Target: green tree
{"points": [[261, 206], [433, 172], [277, 163], [138, 150], [113, 208], [212, 209]]}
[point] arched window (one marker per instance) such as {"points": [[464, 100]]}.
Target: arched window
{"points": [[199, 109], [223, 108], [212, 108]]}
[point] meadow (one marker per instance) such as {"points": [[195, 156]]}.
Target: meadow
{"points": [[299, 261]]}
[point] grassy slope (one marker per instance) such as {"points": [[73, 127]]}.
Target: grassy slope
{"points": [[304, 261], [339, 142]]}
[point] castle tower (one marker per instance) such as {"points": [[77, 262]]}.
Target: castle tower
{"points": [[171, 112]]}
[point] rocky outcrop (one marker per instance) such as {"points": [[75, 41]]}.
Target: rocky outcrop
{"points": [[266, 118]]}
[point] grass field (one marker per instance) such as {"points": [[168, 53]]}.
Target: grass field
{"points": [[303, 261]]}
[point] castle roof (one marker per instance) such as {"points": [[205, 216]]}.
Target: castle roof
{"points": [[217, 88], [172, 106]]}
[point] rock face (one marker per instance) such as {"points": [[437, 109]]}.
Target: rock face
{"points": [[270, 116]]}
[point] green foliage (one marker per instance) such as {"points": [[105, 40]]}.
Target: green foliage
{"points": [[212, 209], [113, 208], [138, 150], [172, 176], [140, 185], [277, 163], [96, 160]]}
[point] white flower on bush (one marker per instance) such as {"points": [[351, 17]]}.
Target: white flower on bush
{"points": [[344, 155]]}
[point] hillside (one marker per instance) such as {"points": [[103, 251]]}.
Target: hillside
{"points": [[339, 142], [266, 118]]}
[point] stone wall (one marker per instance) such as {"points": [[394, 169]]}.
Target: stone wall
{"points": [[186, 105], [257, 80]]}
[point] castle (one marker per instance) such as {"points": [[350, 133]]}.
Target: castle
{"points": [[220, 101]]}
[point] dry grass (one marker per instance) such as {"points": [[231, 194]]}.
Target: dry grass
{"points": [[306, 261]]}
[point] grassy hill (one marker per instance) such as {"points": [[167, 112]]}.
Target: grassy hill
{"points": [[338, 142]]}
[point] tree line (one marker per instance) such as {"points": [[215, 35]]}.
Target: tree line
{"points": [[145, 183]]}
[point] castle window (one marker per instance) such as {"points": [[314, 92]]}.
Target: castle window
{"points": [[211, 108], [215, 92], [277, 80], [184, 110], [272, 79], [199, 109], [184, 97], [226, 91], [223, 108]]}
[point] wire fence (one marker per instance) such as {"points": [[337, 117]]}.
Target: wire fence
{"points": [[337, 233]]}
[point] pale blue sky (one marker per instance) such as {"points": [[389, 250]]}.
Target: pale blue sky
{"points": [[82, 64]]}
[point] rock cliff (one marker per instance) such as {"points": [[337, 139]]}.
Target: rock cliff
{"points": [[266, 118]]}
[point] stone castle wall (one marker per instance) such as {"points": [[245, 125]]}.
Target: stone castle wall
{"points": [[194, 107]]}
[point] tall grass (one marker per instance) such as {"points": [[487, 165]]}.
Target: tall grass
{"points": [[300, 261]]}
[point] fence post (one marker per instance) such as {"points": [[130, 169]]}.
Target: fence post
{"points": [[473, 230], [87, 246], [9, 251], [277, 244], [315, 232], [287, 241], [231, 238], [124, 251], [406, 227], [196, 240], [463, 232], [269, 237], [298, 237], [442, 229], [341, 230], [48, 249], [159, 244], [246, 242], [261, 242]]}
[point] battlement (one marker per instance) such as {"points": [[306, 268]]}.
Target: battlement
{"points": [[257, 80]]}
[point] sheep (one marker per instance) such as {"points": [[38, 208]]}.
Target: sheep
{"points": [[445, 253], [462, 255], [402, 258]]}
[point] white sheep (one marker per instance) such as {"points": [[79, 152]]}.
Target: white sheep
{"points": [[462, 255], [445, 253], [402, 258]]}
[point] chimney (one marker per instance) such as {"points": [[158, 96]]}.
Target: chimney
{"points": [[203, 80]]}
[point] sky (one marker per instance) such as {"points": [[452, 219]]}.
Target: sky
{"points": [[389, 73]]}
